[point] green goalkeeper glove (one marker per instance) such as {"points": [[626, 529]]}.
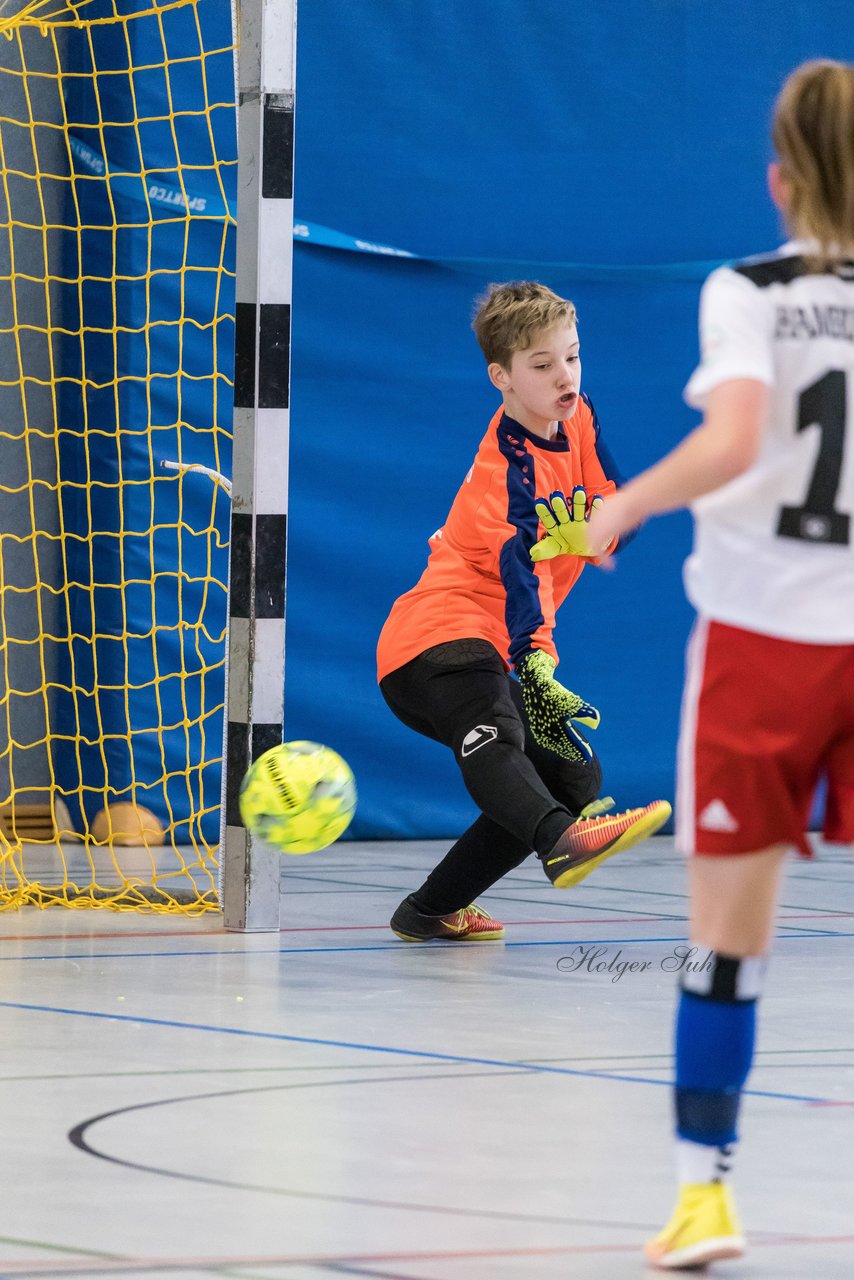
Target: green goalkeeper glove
{"points": [[551, 709], [566, 526]]}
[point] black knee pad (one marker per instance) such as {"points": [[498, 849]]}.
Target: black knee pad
{"points": [[489, 730]]}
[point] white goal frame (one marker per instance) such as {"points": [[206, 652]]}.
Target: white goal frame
{"points": [[265, 32]]}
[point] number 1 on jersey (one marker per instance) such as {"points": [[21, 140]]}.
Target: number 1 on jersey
{"points": [[822, 405]]}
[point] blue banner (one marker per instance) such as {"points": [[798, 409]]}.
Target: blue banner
{"points": [[325, 238]]}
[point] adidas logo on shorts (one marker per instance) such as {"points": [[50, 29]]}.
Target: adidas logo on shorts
{"points": [[716, 817]]}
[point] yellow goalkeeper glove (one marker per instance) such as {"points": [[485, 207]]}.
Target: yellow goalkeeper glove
{"points": [[551, 708], [566, 526]]}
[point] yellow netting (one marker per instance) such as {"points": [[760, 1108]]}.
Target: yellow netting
{"points": [[117, 164]]}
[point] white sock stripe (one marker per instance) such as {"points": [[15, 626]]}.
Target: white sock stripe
{"points": [[696, 1162], [699, 983], [704, 978], [751, 977]]}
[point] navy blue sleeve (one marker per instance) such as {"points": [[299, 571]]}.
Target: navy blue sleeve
{"points": [[612, 471], [523, 613]]}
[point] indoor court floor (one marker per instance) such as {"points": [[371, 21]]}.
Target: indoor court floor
{"points": [[330, 1101]]}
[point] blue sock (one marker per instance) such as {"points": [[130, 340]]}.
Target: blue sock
{"points": [[714, 1051]]}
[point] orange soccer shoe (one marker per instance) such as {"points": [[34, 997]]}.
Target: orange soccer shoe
{"points": [[589, 841], [471, 924]]}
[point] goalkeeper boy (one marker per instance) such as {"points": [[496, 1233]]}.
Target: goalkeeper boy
{"points": [[514, 544]]}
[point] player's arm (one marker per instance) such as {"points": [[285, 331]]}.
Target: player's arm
{"points": [[566, 518], [731, 386], [507, 521], [724, 445], [602, 476]]}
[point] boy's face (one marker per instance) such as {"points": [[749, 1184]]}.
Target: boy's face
{"points": [[543, 383]]}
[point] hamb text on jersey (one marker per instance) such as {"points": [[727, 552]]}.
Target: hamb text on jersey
{"points": [[816, 321]]}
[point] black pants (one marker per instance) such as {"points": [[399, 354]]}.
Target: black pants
{"points": [[459, 694]]}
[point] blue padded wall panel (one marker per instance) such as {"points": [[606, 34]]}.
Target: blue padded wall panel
{"points": [[146, 561], [524, 138]]}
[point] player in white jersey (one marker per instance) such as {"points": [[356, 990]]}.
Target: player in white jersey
{"points": [[773, 545], [768, 706]]}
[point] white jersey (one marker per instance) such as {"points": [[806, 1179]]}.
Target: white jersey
{"points": [[774, 548]]}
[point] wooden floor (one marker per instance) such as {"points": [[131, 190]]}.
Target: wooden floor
{"points": [[329, 1101]]}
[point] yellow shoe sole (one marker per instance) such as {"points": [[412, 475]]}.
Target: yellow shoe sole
{"points": [[695, 1255], [492, 936], [647, 826]]}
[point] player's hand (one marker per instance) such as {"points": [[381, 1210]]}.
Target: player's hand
{"points": [[551, 708], [567, 527]]}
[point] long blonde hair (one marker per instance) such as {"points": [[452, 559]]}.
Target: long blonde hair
{"points": [[813, 136]]}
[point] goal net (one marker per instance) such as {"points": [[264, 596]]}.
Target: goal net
{"points": [[117, 178]]}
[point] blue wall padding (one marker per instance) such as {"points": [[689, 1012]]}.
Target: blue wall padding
{"points": [[555, 133], [408, 442], [146, 562]]}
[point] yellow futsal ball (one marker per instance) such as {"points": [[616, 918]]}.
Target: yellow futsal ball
{"points": [[298, 796]]}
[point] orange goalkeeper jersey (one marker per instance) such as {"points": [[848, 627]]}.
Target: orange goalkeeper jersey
{"points": [[480, 580]]}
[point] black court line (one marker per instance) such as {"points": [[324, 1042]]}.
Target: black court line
{"points": [[78, 1137], [289, 876], [495, 894]]}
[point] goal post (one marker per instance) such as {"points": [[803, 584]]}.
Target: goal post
{"points": [[266, 93], [117, 243], [145, 277]]}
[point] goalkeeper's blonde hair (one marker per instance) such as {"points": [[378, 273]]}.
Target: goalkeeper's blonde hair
{"points": [[813, 136], [509, 315]]}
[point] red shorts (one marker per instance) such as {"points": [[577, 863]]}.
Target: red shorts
{"points": [[762, 721]]}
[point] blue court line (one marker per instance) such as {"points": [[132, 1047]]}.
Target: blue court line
{"points": [[381, 1048], [438, 945]]}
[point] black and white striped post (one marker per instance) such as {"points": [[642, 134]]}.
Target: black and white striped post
{"points": [[256, 643]]}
